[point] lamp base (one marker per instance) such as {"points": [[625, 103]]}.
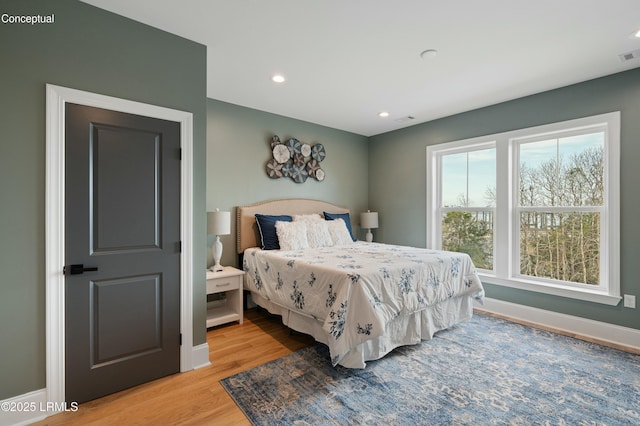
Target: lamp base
{"points": [[217, 254], [217, 268], [369, 236]]}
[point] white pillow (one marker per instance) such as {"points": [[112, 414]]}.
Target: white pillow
{"points": [[318, 234], [307, 217], [292, 235], [339, 233], [317, 231]]}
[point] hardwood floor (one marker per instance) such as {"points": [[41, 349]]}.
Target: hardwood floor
{"points": [[195, 397]]}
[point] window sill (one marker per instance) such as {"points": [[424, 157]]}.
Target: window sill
{"points": [[555, 290]]}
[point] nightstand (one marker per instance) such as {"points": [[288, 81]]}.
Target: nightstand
{"points": [[228, 281]]}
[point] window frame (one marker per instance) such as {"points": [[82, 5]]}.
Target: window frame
{"points": [[506, 244]]}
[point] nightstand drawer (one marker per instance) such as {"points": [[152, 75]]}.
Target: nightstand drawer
{"points": [[223, 284]]}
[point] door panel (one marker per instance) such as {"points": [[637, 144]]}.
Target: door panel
{"points": [[122, 203], [125, 319], [126, 164]]}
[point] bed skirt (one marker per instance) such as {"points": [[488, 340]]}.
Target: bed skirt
{"points": [[402, 330]]}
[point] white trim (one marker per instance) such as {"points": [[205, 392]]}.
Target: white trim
{"points": [[33, 407], [602, 331], [201, 356], [186, 237], [54, 246], [55, 222], [554, 289]]}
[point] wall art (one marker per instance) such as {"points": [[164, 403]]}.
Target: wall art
{"points": [[296, 160]]}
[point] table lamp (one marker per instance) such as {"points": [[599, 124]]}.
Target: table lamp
{"points": [[218, 223], [369, 221]]}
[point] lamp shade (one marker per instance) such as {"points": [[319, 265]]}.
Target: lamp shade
{"points": [[369, 220], [218, 223]]}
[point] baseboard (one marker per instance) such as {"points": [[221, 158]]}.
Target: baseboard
{"points": [[25, 409], [201, 356], [33, 406], [595, 330]]}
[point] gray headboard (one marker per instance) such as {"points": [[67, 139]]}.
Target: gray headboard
{"points": [[247, 229]]}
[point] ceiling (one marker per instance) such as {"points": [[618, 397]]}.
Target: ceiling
{"points": [[345, 61]]}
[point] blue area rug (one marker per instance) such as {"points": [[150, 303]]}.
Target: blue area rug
{"points": [[485, 371]]}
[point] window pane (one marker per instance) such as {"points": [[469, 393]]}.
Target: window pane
{"points": [[582, 173], [560, 246], [566, 171], [471, 233], [482, 178], [469, 179], [454, 179]]}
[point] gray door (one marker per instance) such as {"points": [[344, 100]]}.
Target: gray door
{"points": [[122, 260]]}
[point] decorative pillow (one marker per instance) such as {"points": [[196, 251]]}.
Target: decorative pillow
{"points": [[343, 216], [292, 235], [307, 217], [339, 232], [318, 233], [267, 228]]}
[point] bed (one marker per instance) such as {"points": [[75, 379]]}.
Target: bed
{"points": [[360, 299]]}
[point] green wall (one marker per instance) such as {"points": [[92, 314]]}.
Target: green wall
{"points": [[238, 147], [92, 50], [397, 188]]}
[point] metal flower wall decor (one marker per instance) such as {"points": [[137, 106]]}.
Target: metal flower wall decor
{"points": [[295, 160]]}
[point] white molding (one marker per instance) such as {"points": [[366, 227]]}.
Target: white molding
{"points": [[201, 356], [553, 289], [54, 246], [186, 236], [33, 407], [602, 331], [57, 97]]}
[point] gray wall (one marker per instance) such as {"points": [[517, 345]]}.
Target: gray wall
{"points": [[238, 147], [397, 178], [93, 50]]}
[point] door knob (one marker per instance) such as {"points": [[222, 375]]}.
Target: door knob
{"points": [[78, 269]]}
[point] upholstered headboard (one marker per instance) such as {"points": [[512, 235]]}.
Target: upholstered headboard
{"points": [[247, 229]]}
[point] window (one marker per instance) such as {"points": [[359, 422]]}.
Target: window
{"points": [[536, 208], [468, 203]]}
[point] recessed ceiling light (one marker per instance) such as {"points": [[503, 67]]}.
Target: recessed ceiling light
{"points": [[637, 34], [429, 53], [383, 114], [278, 78]]}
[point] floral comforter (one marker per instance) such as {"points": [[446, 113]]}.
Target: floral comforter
{"points": [[356, 289]]}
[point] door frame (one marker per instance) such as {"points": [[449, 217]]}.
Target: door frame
{"points": [[56, 98]]}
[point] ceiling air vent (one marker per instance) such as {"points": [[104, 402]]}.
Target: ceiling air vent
{"points": [[624, 57], [404, 119]]}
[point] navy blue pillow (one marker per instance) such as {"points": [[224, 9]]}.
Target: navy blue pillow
{"points": [[343, 216], [267, 228]]}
